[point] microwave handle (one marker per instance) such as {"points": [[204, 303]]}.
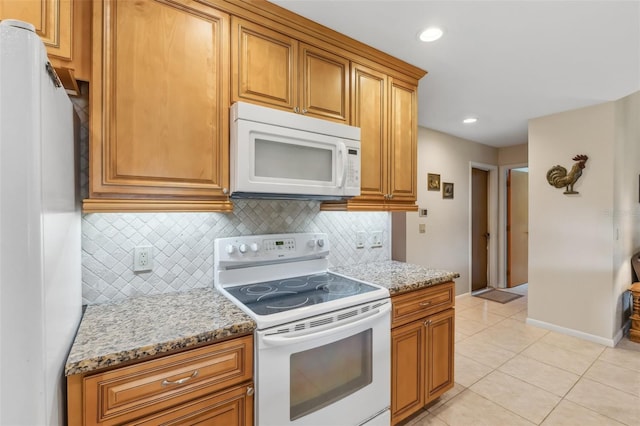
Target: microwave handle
{"points": [[342, 153]]}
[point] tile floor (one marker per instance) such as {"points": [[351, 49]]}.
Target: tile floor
{"points": [[510, 373]]}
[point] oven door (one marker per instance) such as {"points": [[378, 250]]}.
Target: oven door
{"points": [[329, 369]]}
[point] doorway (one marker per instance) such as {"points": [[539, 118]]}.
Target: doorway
{"points": [[517, 226], [479, 229]]}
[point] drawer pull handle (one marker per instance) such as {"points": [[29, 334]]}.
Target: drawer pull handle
{"points": [[166, 382], [425, 304], [250, 391]]}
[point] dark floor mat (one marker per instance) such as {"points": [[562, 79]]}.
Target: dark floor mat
{"points": [[498, 296]]}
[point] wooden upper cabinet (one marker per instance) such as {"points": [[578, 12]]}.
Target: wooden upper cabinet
{"points": [[403, 142], [264, 66], [51, 18], [385, 109], [65, 28], [324, 84], [159, 107], [369, 96], [275, 70]]}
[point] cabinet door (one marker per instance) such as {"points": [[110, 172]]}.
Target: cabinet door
{"points": [[232, 407], [159, 105], [324, 89], [402, 141], [369, 94], [264, 66], [52, 19], [408, 370], [440, 353]]}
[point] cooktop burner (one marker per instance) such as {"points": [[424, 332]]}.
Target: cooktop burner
{"points": [[272, 297]]}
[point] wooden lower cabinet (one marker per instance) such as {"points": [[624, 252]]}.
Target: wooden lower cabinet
{"points": [[407, 369], [211, 385], [422, 350], [231, 407]]}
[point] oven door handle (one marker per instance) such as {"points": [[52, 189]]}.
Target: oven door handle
{"points": [[344, 325]]}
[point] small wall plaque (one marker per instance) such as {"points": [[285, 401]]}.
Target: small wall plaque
{"points": [[433, 182], [447, 190]]}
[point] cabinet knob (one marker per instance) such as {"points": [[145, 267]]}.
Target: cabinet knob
{"points": [[296, 110], [427, 323], [249, 390], [304, 111], [225, 191]]}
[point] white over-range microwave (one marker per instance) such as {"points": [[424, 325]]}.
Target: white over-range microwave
{"points": [[282, 155]]}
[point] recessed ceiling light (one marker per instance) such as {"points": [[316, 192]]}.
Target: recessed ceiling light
{"points": [[470, 120], [431, 34]]}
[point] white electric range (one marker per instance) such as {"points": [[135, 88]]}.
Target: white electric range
{"points": [[322, 339]]}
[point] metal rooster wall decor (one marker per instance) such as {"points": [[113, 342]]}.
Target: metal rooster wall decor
{"points": [[557, 176]]}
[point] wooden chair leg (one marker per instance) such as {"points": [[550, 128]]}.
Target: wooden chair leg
{"points": [[634, 331]]}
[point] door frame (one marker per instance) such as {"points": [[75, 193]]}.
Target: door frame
{"points": [[492, 206], [502, 258]]}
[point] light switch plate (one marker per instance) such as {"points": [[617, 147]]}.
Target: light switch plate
{"points": [[361, 238], [376, 239]]}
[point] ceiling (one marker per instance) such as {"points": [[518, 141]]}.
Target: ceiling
{"points": [[504, 62]]}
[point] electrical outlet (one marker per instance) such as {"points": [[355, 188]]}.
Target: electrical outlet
{"points": [[361, 238], [142, 258], [421, 228], [376, 239]]}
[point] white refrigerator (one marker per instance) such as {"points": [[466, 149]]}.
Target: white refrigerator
{"points": [[40, 266]]}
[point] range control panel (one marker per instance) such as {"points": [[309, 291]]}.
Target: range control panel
{"points": [[250, 249]]}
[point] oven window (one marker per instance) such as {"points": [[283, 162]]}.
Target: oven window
{"points": [[289, 161], [323, 375]]}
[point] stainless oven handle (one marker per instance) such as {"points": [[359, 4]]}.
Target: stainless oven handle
{"points": [[290, 338]]}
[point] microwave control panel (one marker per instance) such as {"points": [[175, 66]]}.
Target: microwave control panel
{"points": [[353, 168]]}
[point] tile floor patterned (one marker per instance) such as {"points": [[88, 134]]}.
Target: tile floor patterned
{"points": [[510, 373]]}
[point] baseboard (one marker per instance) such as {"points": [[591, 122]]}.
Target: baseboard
{"points": [[579, 334], [623, 331], [463, 296]]}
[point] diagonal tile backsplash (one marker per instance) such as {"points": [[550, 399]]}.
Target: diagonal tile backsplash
{"points": [[183, 243]]}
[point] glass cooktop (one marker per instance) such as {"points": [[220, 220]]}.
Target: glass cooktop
{"points": [[272, 297]]}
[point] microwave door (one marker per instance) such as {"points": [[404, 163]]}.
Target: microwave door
{"points": [[286, 161], [278, 160]]}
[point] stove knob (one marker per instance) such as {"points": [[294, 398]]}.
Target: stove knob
{"points": [[311, 243], [320, 242], [254, 247], [230, 249], [243, 248]]}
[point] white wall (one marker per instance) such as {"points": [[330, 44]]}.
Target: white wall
{"points": [[445, 244], [515, 154], [577, 269]]}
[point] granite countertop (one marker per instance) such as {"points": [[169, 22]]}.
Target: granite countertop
{"points": [[136, 328], [397, 277]]}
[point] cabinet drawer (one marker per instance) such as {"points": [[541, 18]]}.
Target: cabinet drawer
{"points": [[232, 407], [420, 303], [141, 389]]}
